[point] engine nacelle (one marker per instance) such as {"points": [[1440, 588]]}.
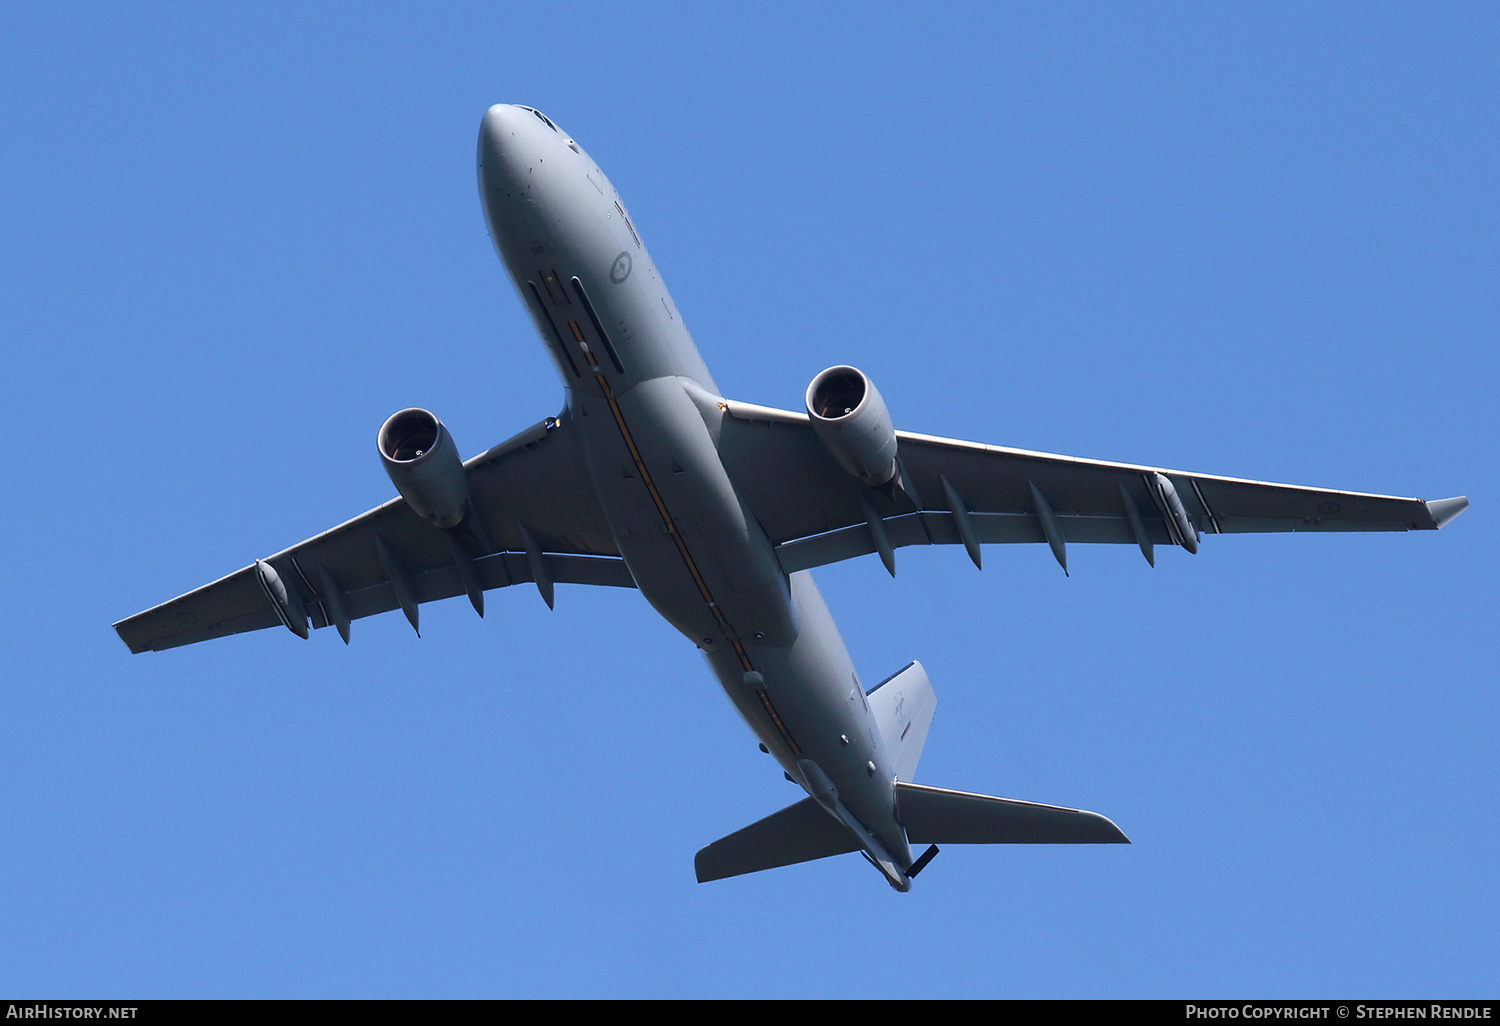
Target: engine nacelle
{"points": [[851, 421], [422, 461]]}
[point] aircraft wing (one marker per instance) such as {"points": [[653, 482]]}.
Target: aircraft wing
{"points": [[537, 518], [953, 492]]}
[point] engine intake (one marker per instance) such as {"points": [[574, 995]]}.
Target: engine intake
{"points": [[850, 419], [423, 464]]}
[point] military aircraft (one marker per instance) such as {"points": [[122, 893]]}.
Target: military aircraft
{"points": [[717, 510]]}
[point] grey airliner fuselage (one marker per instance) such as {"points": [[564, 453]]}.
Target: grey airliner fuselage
{"points": [[645, 406], [717, 510]]}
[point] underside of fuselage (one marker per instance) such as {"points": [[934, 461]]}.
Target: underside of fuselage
{"points": [[644, 406]]}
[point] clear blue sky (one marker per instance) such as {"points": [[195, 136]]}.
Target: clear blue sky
{"points": [[1257, 240]]}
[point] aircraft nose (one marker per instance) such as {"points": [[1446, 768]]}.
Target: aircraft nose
{"points": [[513, 142], [498, 136], [498, 119]]}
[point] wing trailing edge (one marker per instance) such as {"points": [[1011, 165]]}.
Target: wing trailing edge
{"points": [[237, 604]]}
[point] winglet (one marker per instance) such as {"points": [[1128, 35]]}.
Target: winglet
{"points": [[1444, 510]]}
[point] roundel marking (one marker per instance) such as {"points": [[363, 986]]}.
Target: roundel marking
{"points": [[620, 269]]}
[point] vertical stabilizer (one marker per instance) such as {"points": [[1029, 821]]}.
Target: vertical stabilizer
{"points": [[903, 705]]}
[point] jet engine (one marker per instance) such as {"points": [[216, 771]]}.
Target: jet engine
{"points": [[851, 421], [422, 461]]}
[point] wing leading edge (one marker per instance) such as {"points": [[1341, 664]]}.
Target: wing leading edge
{"points": [[536, 514], [969, 493]]}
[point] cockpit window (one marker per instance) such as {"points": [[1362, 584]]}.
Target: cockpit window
{"points": [[544, 119]]}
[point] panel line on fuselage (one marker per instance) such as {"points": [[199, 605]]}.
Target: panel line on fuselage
{"points": [[544, 315], [609, 347], [730, 634]]}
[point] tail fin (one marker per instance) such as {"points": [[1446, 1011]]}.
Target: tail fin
{"points": [[903, 705], [933, 815], [798, 833]]}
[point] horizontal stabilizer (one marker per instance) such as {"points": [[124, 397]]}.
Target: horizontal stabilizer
{"points": [[932, 815], [798, 833]]}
